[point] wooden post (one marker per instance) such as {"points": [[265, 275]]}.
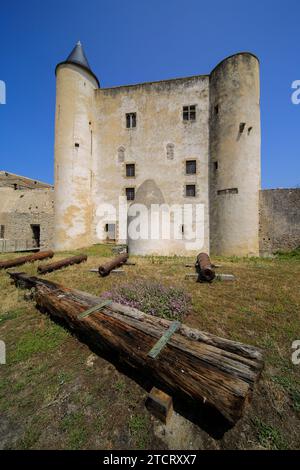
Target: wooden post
{"points": [[160, 404]]}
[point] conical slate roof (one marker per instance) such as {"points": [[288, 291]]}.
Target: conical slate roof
{"points": [[78, 57]]}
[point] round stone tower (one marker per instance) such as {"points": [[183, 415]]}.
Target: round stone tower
{"points": [[75, 92], [235, 156]]}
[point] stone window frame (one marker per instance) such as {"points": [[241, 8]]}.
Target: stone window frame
{"points": [[132, 119], [185, 166], [125, 191], [185, 190], [125, 166], [186, 113]]}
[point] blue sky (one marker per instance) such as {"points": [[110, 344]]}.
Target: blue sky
{"points": [[135, 41]]}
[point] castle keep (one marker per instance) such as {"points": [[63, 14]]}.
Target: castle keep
{"points": [[179, 141]]}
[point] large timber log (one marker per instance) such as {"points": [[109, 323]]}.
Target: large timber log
{"points": [[105, 269], [26, 259], [48, 268], [204, 268], [200, 365]]}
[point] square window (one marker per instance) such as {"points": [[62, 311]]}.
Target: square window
{"points": [[130, 194], [189, 113], [190, 167], [190, 190], [130, 170], [130, 120]]}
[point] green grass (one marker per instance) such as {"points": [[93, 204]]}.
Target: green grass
{"points": [[74, 426], [85, 407], [138, 427], [293, 255], [268, 436], [37, 342]]}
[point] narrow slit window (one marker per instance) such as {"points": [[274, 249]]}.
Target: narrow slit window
{"points": [[130, 170], [190, 190], [191, 167], [130, 194], [130, 120], [2, 231], [189, 113]]}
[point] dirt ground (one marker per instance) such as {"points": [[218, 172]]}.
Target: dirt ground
{"points": [[56, 393]]}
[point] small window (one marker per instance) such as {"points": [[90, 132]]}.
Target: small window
{"points": [[121, 154], [216, 166], [170, 151], [217, 109], [130, 194], [130, 120], [190, 190], [2, 231], [110, 229], [189, 113], [130, 170], [190, 167], [228, 191], [76, 144]]}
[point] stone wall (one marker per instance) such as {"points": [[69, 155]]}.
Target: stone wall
{"points": [[279, 220], [19, 210]]}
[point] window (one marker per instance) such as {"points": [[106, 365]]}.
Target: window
{"points": [[228, 191], [130, 120], [130, 169], [170, 151], [110, 229], [2, 231], [130, 193], [189, 113], [216, 166], [190, 190], [190, 167], [76, 144], [217, 109], [36, 233]]}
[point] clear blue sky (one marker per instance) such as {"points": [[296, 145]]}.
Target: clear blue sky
{"points": [[143, 40]]}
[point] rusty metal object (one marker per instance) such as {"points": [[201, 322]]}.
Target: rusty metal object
{"points": [[105, 269], [26, 259], [204, 268], [48, 268]]}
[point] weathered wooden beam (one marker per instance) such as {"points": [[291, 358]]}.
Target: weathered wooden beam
{"points": [[202, 366], [105, 269], [48, 268], [26, 259]]}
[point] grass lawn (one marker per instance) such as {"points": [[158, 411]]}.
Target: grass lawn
{"points": [[56, 393]]}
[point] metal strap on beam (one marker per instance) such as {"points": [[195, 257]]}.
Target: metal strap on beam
{"points": [[94, 309], [162, 342]]}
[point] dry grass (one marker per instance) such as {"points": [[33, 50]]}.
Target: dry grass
{"points": [[48, 388]]}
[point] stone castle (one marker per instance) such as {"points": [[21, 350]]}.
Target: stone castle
{"points": [[180, 141]]}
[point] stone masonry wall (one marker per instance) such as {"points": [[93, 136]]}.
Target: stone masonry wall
{"points": [[21, 209], [279, 220]]}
